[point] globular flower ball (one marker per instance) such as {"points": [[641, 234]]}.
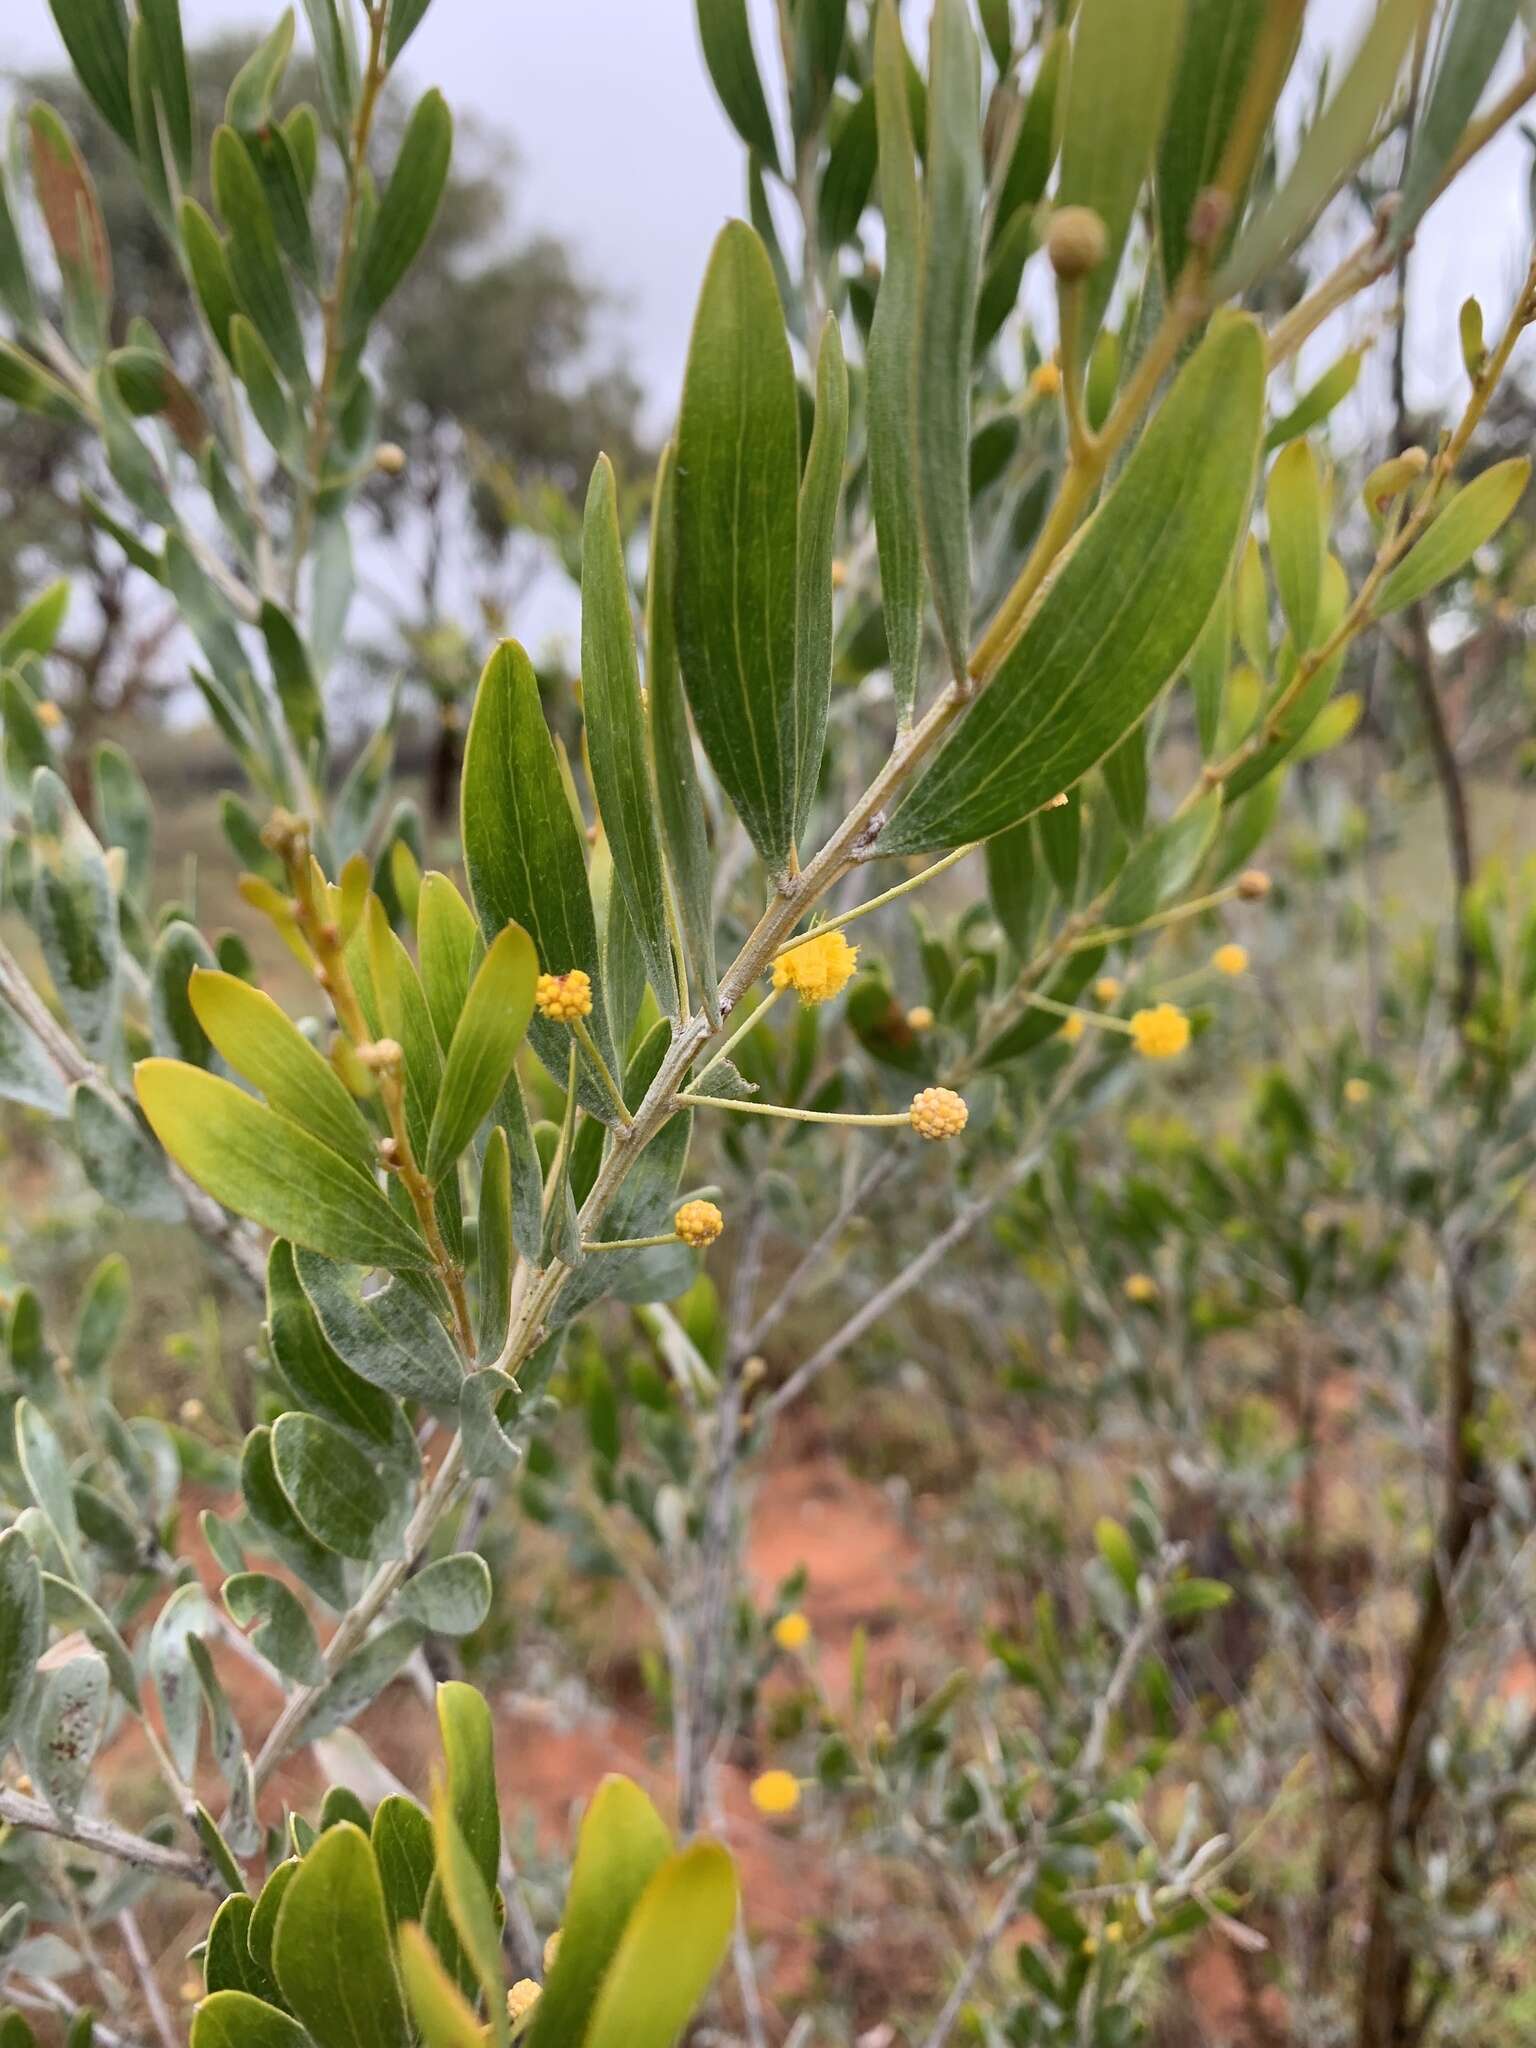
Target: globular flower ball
{"points": [[1160, 1033], [1140, 1287], [1109, 988], [1253, 884], [522, 1998], [1072, 1028], [1046, 381], [938, 1113], [564, 997], [1230, 959], [1356, 1091], [920, 1017], [792, 1631], [1076, 241], [818, 969], [775, 1793], [698, 1224]]}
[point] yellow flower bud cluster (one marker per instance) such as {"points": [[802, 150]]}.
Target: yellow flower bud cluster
{"points": [[564, 997], [1230, 959], [775, 1793]]}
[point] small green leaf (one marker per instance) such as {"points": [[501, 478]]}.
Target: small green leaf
{"points": [[1118, 1552], [1124, 54], [318, 1376], [1220, 41], [103, 1312], [820, 495], [684, 831], [439, 2007], [402, 1848], [738, 479], [65, 1728], [1470, 50], [892, 399], [281, 1530], [265, 1166], [1331, 149], [485, 1042], [623, 1844], [179, 952], [1034, 149], [171, 80], [333, 1956], [46, 1472], [23, 1630], [283, 1632], [950, 277], [727, 40], [297, 690], [451, 1597], [1296, 503], [469, 1749], [1471, 519], [228, 1964], [1318, 400], [405, 17], [672, 1946], [450, 948], [391, 1339], [467, 1900], [1120, 618], [331, 1486], [523, 848], [207, 257], [255, 260], [616, 742], [37, 625], [249, 105], [95, 33], [410, 202], [74, 912], [120, 1163], [1189, 1597]]}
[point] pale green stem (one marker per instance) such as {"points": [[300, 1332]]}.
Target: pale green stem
{"points": [[743, 1030], [1104, 1022], [632, 1244], [1111, 935], [895, 1121], [835, 924]]}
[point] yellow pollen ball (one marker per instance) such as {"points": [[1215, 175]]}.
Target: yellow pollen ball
{"points": [[1231, 959], [1160, 1033], [1356, 1091], [775, 1793], [1114, 1931], [1140, 1287], [49, 714], [698, 1224], [1046, 381], [1109, 988], [817, 969], [792, 1631], [564, 997], [551, 1950], [522, 1998], [938, 1113], [1072, 1028], [920, 1017]]}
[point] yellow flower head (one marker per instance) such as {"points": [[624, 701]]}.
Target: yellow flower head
{"points": [[1114, 1931], [1356, 1091], [775, 1793], [1046, 381], [564, 997], [1073, 1027], [938, 1113], [551, 1950], [817, 969], [792, 1631], [1109, 988], [920, 1017], [1230, 959], [698, 1224], [1140, 1287], [1160, 1033], [522, 1998], [49, 714]]}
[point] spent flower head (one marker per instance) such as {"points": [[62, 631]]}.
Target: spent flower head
{"points": [[1160, 1033], [938, 1113], [698, 1224], [564, 997], [818, 969]]}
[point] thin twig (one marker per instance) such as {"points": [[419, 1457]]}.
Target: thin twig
{"points": [[981, 1952], [18, 1811]]}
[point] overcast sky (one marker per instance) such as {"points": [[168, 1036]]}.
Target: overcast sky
{"points": [[626, 154]]}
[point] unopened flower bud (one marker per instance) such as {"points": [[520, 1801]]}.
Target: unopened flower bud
{"points": [[698, 1224], [1253, 885], [564, 997], [382, 1056], [1390, 479], [938, 1113], [389, 458], [1076, 242]]}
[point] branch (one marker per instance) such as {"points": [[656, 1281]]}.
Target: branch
{"points": [[104, 1836], [981, 1951]]}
